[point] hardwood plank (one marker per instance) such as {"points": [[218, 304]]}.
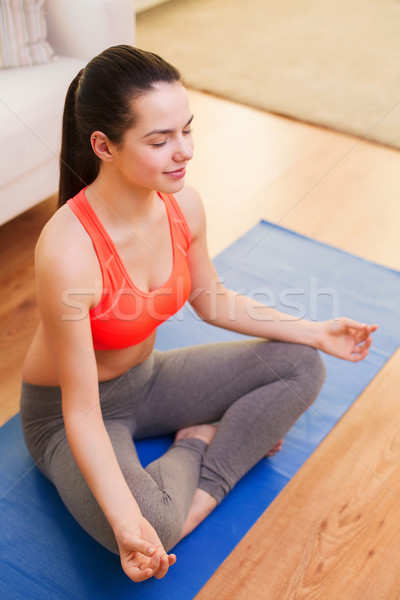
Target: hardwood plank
{"points": [[18, 310]]}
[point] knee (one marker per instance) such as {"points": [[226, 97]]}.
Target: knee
{"points": [[312, 361], [310, 371], [316, 366], [168, 522]]}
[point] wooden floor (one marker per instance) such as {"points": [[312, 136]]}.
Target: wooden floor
{"points": [[333, 532]]}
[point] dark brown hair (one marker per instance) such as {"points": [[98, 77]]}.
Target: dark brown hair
{"points": [[100, 98]]}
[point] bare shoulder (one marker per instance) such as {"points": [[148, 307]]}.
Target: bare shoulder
{"points": [[192, 207], [64, 249]]}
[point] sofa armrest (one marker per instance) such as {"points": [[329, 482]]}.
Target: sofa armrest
{"points": [[84, 28]]}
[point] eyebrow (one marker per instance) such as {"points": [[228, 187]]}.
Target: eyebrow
{"points": [[164, 131]]}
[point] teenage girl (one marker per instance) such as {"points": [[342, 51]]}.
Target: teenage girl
{"points": [[125, 250]]}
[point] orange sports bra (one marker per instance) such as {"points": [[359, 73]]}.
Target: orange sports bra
{"points": [[125, 315]]}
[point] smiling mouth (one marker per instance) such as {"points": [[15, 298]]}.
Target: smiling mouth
{"points": [[177, 174], [175, 171]]}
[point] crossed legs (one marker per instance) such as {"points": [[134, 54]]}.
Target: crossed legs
{"points": [[256, 390]]}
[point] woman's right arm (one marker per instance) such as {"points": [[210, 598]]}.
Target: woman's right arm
{"points": [[69, 339]]}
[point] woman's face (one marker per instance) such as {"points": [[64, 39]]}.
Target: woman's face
{"points": [[155, 152]]}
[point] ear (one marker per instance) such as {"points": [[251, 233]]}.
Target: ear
{"points": [[102, 146]]}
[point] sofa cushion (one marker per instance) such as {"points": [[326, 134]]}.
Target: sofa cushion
{"points": [[23, 33], [31, 106]]}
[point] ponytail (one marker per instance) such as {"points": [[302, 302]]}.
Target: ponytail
{"points": [[78, 165], [100, 98]]}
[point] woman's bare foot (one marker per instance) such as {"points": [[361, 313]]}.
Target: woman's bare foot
{"points": [[277, 448], [204, 432], [202, 505]]}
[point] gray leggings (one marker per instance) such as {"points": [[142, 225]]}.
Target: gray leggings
{"points": [[255, 389]]}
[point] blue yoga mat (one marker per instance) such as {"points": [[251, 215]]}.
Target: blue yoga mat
{"points": [[45, 555]]}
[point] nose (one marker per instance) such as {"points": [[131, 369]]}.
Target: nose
{"points": [[184, 149]]}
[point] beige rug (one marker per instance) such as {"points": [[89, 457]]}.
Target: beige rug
{"points": [[335, 63]]}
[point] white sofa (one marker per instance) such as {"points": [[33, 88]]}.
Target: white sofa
{"points": [[32, 98]]}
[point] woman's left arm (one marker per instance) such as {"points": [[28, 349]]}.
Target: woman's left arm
{"points": [[228, 309]]}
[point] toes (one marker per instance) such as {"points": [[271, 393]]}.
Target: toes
{"points": [[277, 448]]}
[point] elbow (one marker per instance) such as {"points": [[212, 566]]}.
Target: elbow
{"points": [[200, 311], [213, 304]]}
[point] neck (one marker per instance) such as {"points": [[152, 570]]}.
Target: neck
{"points": [[124, 201]]}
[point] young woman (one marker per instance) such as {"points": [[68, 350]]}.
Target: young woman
{"points": [[125, 250]]}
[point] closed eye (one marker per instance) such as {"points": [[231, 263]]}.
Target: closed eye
{"points": [[161, 144]]}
